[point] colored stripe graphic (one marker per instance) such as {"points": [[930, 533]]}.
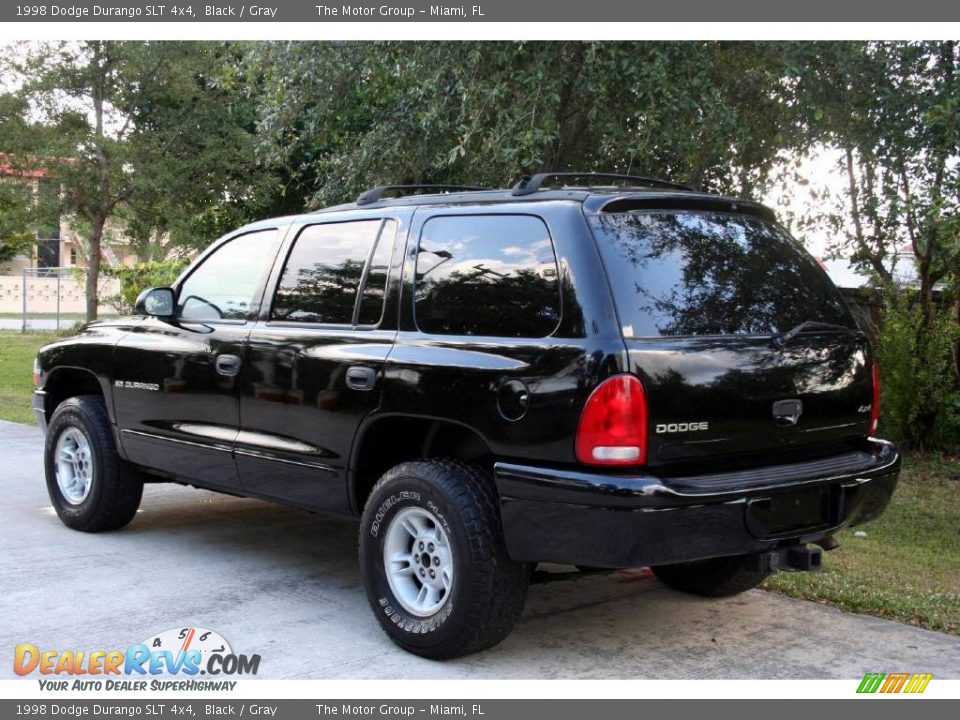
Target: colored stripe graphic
{"points": [[918, 682], [894, 682], [871, 682]]}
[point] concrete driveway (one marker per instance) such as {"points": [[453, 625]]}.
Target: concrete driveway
{"points": [[284, 584]]}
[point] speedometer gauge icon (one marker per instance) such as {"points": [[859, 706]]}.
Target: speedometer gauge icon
{"points": [[177, 640]]}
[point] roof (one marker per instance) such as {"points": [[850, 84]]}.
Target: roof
{"points": [[594, 199], [8, 170], [36, 167], [643, 192]]}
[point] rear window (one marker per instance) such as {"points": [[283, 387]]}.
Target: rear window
{"points": [[711, 273]]}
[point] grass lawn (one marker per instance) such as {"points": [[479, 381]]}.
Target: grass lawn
{"points": [[907, 567], [17, 351]]}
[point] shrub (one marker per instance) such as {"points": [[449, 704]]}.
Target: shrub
{"points": [[920, 404], [136, 279]]}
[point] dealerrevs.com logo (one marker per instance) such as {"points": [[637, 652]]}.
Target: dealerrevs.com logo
{"points": [[185, 653]]}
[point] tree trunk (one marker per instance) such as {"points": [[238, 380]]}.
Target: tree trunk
{"points": [[93, 268], [100, 215], [573, 69]]}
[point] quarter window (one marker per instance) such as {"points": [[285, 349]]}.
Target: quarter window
{"points": [[224, 285], [492, 275], [322, 277]]}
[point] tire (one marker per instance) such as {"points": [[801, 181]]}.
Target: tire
{"points": [[101, 492], [714, 578], [486, 590]]}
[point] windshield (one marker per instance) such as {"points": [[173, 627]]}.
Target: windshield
{"points": [[711, 273]]}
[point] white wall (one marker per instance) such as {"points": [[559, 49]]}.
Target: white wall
{"points": [[42, 294]]}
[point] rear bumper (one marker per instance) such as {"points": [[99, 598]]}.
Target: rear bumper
{"points": [[595, 520]]}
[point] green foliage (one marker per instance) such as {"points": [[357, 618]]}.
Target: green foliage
{"points": [[920, 404], [139, 132], [136, 279], [892, 110], [16, 220], [340, 117]]}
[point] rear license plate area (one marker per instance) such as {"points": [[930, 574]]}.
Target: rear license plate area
{"points": [[790, 512]]}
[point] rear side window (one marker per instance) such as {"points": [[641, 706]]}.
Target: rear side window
{"points": [[331, 265], [711, 273], [493, 275]]}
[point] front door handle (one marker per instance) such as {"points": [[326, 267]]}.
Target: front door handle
{"points": [[228, 365], [361, 377]]}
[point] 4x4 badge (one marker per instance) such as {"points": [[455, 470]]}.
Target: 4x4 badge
{"points": [[787, 412]]}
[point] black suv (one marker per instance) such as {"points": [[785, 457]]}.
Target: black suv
{"points": [[598, 371]]}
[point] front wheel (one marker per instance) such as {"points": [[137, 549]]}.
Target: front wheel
{"points": [[434, 562], [91, 487], [714, 578]]}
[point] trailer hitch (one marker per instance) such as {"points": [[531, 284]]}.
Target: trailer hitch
{"points": [[795, 557]]}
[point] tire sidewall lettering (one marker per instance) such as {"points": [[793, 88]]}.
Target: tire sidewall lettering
{"points": [[387, 504], [415, 626]]}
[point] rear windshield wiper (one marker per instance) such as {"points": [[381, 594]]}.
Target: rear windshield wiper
{"points": [[781, 339]]}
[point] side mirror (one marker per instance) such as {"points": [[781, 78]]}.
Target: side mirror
{"points": [[156, 302]]}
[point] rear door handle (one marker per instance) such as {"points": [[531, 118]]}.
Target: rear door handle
{"points": [[228, 365], [361, 377]]}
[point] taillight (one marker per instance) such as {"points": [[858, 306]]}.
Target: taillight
{"points": [[875, 405], [36, 372], [613, 424]]}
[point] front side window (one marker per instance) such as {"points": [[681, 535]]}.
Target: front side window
{"points": [[326, 267], [493, 275], [224, 285]]}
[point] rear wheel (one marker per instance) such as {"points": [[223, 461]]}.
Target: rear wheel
{"points": [[434, 563], [91, 487], [716, 577]]}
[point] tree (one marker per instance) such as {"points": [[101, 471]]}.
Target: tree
{"points": [[340, 117], [892, 110], [19, 204], [17, 236], [132, 131]]}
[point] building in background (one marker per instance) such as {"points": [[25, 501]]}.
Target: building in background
{"points": [[40, 282], [58, 244]]}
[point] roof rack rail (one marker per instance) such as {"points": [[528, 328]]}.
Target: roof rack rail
{"points": [[381, 191], [529, 184]]}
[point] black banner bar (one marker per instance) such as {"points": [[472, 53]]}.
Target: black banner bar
{"points": [[186, 708], [330, 11]]}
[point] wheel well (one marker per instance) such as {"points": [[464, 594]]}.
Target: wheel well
{"points": [[65, 383], [390, 441]]}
